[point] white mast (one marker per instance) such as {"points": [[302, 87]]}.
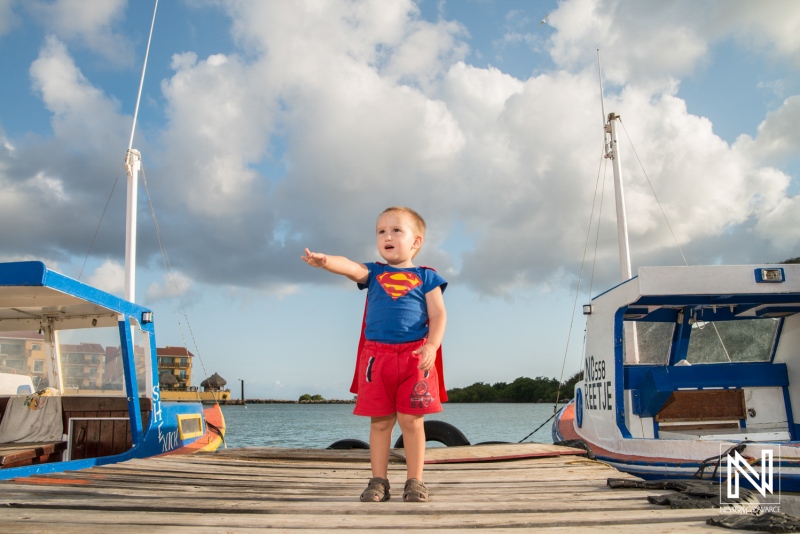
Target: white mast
{"points": [[612, 151], [133, 163]]}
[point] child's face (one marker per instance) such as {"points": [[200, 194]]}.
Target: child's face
{"points": [[397, 239]]}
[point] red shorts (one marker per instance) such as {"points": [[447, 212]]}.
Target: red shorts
{"points": [[390, 381]]}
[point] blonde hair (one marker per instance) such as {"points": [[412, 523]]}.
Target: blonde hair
{"points": [[416, 220]]}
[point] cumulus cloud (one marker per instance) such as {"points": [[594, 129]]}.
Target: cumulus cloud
{"points": [[110, 277], [328, 112], [174, 285], [92, 25]]}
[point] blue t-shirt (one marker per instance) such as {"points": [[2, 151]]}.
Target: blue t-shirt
{"points": [[396, 307]]}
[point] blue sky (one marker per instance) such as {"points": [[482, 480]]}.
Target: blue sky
{"points": [[267, 127]]}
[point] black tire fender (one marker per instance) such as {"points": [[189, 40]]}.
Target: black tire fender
{"points": [[577, 444], [349, 443], [441, 432]]}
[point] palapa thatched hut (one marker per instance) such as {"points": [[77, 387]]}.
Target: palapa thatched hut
{"points": [[167, 380], [213, 383]]}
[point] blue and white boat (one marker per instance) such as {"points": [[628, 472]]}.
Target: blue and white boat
{"points": [[93, 357], [73, 421], [682, 365]]}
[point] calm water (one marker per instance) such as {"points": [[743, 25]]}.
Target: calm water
{"points": [[319, 425]]}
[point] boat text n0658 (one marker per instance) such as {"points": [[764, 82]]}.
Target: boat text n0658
{"points": [[598, 389]]}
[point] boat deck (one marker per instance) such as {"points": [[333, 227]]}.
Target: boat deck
{"points": [[491, 487]]}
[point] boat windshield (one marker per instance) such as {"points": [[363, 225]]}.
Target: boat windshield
{"points": [[653, 339], [88, 360], [746, 340], [742, 340], [24, 353]]}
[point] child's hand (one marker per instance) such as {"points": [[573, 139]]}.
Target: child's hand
{"points": [[427, 357], [315, 259]]}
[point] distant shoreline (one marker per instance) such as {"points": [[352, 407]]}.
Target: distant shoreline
{"points": [[286, 401], [234, 402]]}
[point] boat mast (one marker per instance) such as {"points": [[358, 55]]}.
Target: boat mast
{"points": [[612, 152], [133, 163]]}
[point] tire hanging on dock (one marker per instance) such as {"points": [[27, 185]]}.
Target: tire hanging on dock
{"points": [[441, 432], [577, 444], [345, 444]]}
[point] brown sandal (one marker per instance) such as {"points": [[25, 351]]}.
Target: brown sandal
{"points": [[415, 491], [377, 490]]}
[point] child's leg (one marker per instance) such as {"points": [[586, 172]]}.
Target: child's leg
{"points": [[413, 427], [380, 440]]}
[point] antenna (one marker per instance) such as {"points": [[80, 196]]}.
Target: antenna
{"points": [[141, 80], [602, 101]]}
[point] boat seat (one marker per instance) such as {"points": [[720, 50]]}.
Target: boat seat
{"points": [[727, 406], [17, 454]]}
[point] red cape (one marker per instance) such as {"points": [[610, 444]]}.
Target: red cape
{"points": [[439, 366]]}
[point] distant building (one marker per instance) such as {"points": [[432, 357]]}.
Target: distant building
{"points": [[82, 365], [177, 361], [23, 353]]}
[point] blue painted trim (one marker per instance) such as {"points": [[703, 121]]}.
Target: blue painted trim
{"points": [[36, 274], [579, 407], [787, 402], [132, 388], [712, 375], [615, 287], [22, 273], [72, 465], [739, 299], [778, 332], [619, 386], [680, 346]]}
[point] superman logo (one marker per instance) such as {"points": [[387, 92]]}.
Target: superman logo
{"points": [[398, 284]]}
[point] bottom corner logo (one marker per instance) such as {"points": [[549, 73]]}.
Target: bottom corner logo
{"points": [[761, 480]]}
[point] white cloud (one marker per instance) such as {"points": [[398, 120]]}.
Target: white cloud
{"points": [[82, 115], [110, 277], [90, 24], [778, 137], [177, 285], [361, 106]]}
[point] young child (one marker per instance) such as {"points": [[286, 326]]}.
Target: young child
{"points": [[398, 377]]}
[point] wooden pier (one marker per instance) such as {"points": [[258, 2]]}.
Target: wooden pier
{"points": [[490, 487]]}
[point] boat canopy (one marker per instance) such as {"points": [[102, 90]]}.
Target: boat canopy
{"points": [[32, 296]]}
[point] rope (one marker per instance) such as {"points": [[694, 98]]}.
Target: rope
{"points": [[171, 275], [535, 431], [577, 292], [739, 447], [663, 213], [580, 278], [88, 252]]}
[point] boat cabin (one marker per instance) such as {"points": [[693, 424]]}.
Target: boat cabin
{"points": [[95, 399], [697, 353]]}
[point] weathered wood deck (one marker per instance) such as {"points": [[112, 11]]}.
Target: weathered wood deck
{"points": [[494, 487]]}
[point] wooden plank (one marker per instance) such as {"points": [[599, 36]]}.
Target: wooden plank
{"points": [[276, 489], [103, 404], [419, 518], [493, 453], [15, 454]]}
